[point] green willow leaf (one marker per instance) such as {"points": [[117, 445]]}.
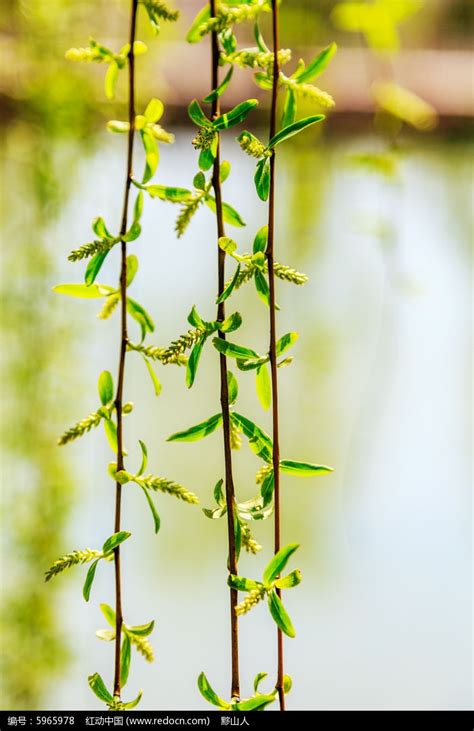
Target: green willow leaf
{"points": [[288, 582], [169, 193], [216, 93], [108, 613], [132, 268], [82, 291], [125, 657], [230, 287], [94, 266], [154, 110], [152, 155], [110, 80], [264, 388], [230, 215], [294, 129], [106, 387], [231, 350], [268, 486], [193, 362], [258, 703], [289, 110], [206, 159], [154, 378], [100, 229], [258, 679], [317, 65], [111, 433], [232, 387], [142, 630], [235, 115], [278, 563], [210, 695], [260, 241], [132, 704], [97, 685], [262, 178], [303, 469], [231, 323], [133, 233], [199, 431], [242, 584], [261, 285], [260, 43], [115, 540], [193, 35], [86, 589], [153, 510], [285, 342], [141, 316], [144, 461], [280, 615], [224, 170], [259, 442], [197, 116]]}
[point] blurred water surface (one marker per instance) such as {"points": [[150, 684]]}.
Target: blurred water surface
{"points": [[379, 389]]}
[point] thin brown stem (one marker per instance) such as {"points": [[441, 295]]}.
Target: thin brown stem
{"points": [[224, 393], [272, 349], [123, 345]]}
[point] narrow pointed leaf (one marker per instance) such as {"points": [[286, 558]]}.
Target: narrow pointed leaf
{"points": [[289, 110], [154, 378], [82, 291], [153, 510], [231, 216], [232, 388], [280, 615], [242, 584], [216, 93], [194, 36], [288, 582], [144, 463], [210, 695], [317, 65], [169, 193], [86, 589], [264, 387], [108, 613], [259, 441], [294, 129], [262, 178], [303, 469], [199, 431], [231, 350], [193, 362], [235, 115], [278, 563], [258, 703], [285, 342], [230, 287], [197, 116], [106, 387], [98, 687], [125, 656], [142, 630], [115, 540]]}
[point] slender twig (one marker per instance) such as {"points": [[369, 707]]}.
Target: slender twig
{"points": [[224, 395], [272, 350], [123, 344]]}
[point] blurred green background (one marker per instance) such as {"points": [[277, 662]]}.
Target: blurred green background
{"points": [[379, 388]]}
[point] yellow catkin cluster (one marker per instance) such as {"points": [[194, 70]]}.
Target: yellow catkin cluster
{"points": [[251, 600]]}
